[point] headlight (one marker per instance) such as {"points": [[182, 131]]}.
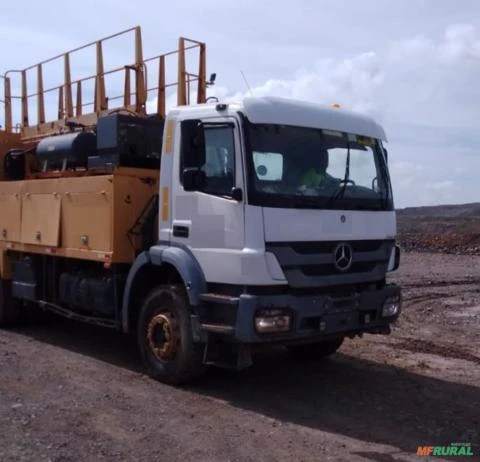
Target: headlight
{"points": [[391, 306], [270, 321]]}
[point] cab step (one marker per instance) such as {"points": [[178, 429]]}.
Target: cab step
{"points": [[219, 298], [218, 328]]}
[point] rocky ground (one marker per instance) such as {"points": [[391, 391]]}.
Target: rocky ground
{"points": [[70, 392]]}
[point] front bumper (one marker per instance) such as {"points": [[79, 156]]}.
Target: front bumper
{"points": [[317, 317]]}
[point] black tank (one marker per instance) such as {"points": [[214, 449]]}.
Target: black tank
{"points": [[70, 150]]}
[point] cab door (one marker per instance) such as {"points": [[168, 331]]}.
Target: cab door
{"points": [[210, 220]]}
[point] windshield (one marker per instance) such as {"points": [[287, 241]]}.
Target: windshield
{"points": [[311, 168]]}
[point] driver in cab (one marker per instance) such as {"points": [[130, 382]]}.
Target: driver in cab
{"points": [[316, 175]]}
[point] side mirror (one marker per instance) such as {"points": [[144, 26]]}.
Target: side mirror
{"points": [[386, 155], [194, 179], [237, 194]]}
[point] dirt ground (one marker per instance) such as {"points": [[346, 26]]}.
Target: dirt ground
{"points": [[70, 392]]}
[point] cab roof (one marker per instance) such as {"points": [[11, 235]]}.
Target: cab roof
{"points": [[285, 111]]}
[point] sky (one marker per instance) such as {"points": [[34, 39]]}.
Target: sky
{"points": [[412, 65]]}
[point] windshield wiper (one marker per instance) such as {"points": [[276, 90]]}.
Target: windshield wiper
{"points": [[340, 192]]}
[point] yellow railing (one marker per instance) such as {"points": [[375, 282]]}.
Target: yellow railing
{"points": [[137, 87]]}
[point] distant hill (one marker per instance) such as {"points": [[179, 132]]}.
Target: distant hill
{"points": [[445, 228], [446, 211]]}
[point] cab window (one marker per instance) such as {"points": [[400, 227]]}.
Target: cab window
{"points": [[218, 162]]}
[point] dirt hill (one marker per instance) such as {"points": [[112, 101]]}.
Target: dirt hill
{"points": [[443, 228]]}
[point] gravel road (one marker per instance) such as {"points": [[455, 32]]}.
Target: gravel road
{"points": [[70, 392]]}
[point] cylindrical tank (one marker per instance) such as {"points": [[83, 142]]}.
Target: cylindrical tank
{"points": [[72, 148]]}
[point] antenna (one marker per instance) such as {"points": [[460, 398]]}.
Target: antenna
{"points": [[246, 83]]}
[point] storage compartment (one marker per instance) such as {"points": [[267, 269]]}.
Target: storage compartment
{"points": [[87, 220], [107, 218], [10, 217], [40, 222]]}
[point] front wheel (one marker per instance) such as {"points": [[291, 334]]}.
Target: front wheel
{"points": [[165, 337], [315, 351]]}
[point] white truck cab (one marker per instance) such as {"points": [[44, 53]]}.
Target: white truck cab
{"points": [[207, 230], [277, 219]]}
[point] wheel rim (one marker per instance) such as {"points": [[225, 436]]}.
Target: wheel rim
{"points": [[163, 336]]}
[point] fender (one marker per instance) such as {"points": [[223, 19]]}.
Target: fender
{"points": [[181, 258]]}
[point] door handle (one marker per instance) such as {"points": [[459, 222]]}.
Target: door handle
{"points": [[180, 231]]}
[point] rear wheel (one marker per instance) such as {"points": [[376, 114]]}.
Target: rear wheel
{"points": [[315, 351], [165, 337]]}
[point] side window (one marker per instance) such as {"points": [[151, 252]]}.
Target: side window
{"points": [[219, 164], [218, 160]]}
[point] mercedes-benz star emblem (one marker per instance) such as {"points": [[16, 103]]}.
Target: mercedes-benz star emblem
{"points": [[343, 257]]}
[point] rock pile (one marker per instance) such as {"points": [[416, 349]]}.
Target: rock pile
{"points": [[452, 242], [444, 228]]}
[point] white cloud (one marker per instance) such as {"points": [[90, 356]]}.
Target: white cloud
{"points": [[461, 42], [409, 89], [413, 88], [350, 82]]}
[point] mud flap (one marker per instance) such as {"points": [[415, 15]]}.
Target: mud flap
{"points": [[227, 355]]}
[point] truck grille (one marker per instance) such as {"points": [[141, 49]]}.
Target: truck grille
{"points": [[312, 264]]}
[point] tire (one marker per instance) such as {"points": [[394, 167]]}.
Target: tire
{"points": [[315, 351], [165, 338], [9, 308]]}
